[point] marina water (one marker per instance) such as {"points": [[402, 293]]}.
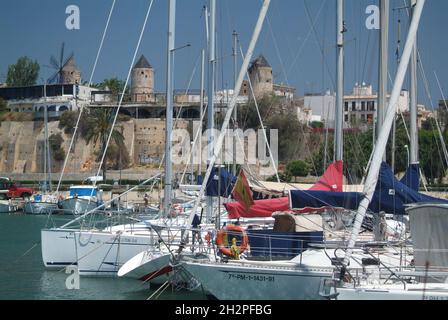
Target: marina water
{"points": [[23, 276]]}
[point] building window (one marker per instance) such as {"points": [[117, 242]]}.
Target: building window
{"points": [[353, 106], [346, 106], [363, 106], [346, 118]]}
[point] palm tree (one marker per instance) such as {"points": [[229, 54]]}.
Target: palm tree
{"points": [[99, 130]]}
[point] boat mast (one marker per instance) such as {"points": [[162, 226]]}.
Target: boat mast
{"points": [[211, 95], [201, 109], [169, 106], [380, 147], [235, 113], [339, 141], [414, 159], [382, 87], [383, 65], [45, 137]]}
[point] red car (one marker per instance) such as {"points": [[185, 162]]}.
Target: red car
{"points": [[14, 190]]}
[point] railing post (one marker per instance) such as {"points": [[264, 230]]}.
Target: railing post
{"points": [[301, 252], [270, 248]]}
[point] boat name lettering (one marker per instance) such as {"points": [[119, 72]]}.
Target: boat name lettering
{"points": [[244, 277], [131, 240]]}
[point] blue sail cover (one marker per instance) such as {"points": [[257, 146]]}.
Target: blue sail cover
{"points": [[390, 196], [412, 177], [313, 200], [226, 183]]}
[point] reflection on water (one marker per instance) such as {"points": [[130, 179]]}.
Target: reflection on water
{"points": [[23, 276]]}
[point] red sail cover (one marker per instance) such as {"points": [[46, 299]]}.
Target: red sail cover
{"points": [[331, 181]]}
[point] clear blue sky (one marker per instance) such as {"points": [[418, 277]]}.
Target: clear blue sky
{"points": [[37, 29]]}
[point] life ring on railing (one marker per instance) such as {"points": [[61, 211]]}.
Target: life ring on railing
{"points": [[223, 233]]}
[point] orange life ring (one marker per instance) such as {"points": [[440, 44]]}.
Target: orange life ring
{"points": [[231, 228]]}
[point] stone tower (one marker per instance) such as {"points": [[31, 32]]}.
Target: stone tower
{"points": [[260, 73], [142, 81], [70, 73]]}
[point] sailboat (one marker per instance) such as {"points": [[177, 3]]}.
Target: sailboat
{"points": [[102, 251], [304, 276], [81, 199], [146, 264], [6, 206], [43, 203], [427, 280]]}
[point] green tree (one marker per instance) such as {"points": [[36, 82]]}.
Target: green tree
{"points": [[115, 85], [98, 132], [283, 176], [297, 168], [401, 141], [431, 156], [3, 106], [248, 116], [317, 125], [429, 124], [292, 135], [23, 73], [357, 150], [55, 142], [68, 119]]}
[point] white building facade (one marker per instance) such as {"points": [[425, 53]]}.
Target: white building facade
{"points": [[360, 106]]}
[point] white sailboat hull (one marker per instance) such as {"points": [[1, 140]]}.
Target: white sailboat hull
{"points": [[100, 253], [397, 292], [36, 207], [234, 281], [6, 207], [103, 253], [58, 248], [77, 205], [151, 265]]}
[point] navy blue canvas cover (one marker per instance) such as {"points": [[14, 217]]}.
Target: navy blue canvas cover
{"points": [[390, 196], [226, 183], [412, 177]]}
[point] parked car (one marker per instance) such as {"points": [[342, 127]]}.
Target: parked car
{"points": [[11, 190]]}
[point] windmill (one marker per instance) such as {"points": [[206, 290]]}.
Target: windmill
{"points": [[58, 76]]}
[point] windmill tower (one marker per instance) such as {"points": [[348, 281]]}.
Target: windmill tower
{"points": [[66, 70], [142, 81], [70, 72], [260, 73]]}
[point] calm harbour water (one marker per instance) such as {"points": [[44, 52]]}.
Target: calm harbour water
{"points": [[23, 276]]}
